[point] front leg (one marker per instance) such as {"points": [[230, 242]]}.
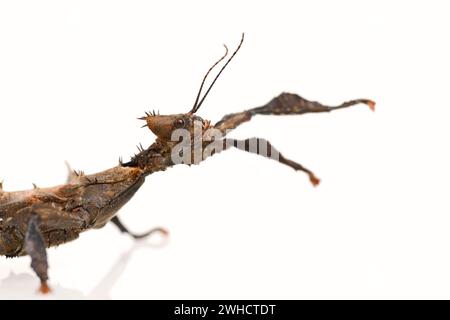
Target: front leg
{"points": [[35, 248], [260, 147], [284, 104], [116, 221]]}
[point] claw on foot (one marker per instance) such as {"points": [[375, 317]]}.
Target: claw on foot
{"points": [[164, 231], [314, 180], [371, 104], [44, 288]]}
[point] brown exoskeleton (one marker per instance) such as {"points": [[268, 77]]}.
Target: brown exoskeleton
{"points": [[33, 220]]}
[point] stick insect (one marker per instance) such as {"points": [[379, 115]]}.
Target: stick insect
{"points": [[33, 220]]}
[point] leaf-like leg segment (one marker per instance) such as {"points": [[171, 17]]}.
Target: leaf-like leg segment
{"points": [[263, 148], [284, 104], [35, 248], [116, 221]]}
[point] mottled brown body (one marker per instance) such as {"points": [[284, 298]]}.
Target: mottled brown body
{"points": [[33, 220], [85, 202], [67, 210], [90, 201]]}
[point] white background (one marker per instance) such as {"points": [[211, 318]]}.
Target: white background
{"points": [[74, 75]]}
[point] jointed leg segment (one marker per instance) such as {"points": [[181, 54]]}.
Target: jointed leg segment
{"points": [[35, 248], [116, 221], [263, 148], [284, 104]]}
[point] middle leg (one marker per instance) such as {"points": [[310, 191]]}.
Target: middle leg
{"points": [[116, 221]]}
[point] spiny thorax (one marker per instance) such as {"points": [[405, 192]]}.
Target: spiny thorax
{"points": [[154, 158]]}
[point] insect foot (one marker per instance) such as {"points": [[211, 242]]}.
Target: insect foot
{"points": [[44, 288]]}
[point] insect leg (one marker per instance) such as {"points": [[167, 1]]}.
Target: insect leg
{"points": [[116, 221], [284, 104], [35, 248], [263, 148]]}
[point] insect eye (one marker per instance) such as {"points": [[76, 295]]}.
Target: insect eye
{"points": [[179, 123]]}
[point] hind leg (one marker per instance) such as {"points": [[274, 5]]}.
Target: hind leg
{"points": [[35, 248]]}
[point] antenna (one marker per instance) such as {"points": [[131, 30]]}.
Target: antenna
{"points": [[195, 108], [197, 104]]}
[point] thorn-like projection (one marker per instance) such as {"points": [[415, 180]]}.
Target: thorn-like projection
{"points": [[73, 175], [35, 186], [145, 119], [140, 147], [120, 161], [78, 173]]}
